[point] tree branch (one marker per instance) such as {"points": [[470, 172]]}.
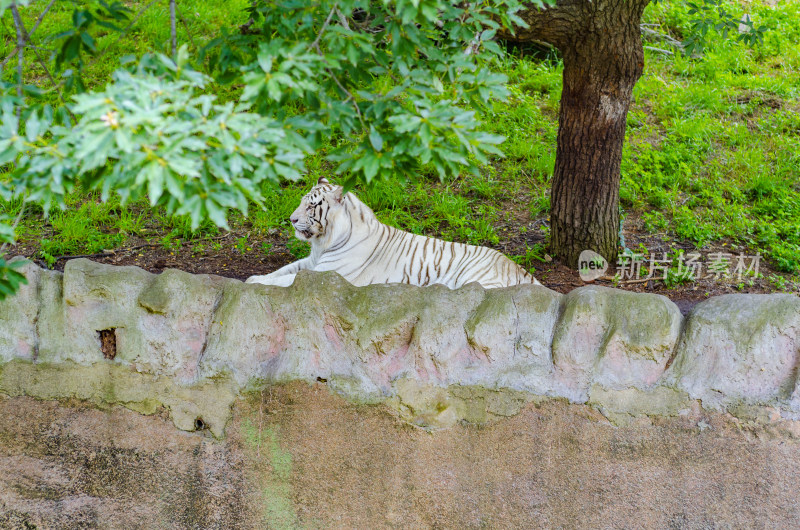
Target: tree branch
{"points": [[649, 32], [315, 44], [659, 50], [41, 17], [29, 44], [20, 56], [342, 19], [186, 26], [172, 30], [553, 24], [122, 34], [35, 26], [350, 96]]}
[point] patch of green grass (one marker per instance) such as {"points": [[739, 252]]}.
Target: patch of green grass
{"points": [[717, 155], [199, 22], [532, 254], [298, 249], [86, 227]]}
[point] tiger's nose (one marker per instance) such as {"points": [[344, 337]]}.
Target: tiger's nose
{"points": [[294, 220]]}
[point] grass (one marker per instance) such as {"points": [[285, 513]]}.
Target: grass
{"points": [[200, 22], [712, 151]]}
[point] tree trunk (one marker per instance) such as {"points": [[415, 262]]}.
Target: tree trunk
{"points": [[603, 58]]}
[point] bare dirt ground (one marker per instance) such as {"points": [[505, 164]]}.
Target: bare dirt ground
{"points": [[222, 257]]}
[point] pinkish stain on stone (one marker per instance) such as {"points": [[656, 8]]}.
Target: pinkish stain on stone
{"points": [[429, 373], [24, 349], [398, 361], [384, 369], [188, 373], [467, 356], [194, 338], [77, 313], [315, 360], [279, 341], [333, 336], [652, 377]]}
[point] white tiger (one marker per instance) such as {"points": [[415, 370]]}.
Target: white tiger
{"points": [[346, 237]]}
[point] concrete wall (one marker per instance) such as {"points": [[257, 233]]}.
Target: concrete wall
{"points": [[429, 351], [433, 407]]}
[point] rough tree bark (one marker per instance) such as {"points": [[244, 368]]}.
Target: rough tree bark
{"points": [[601, 44]]}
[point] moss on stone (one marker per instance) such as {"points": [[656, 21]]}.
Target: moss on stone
{"points": [[107, 383], [263, 444], [433, 407], [633, 402]]}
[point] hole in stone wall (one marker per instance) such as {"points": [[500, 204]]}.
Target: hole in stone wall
{"points": [[322, 379], [108, 342], [199, 424]]}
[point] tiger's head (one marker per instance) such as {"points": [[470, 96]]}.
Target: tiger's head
{"points": [[317, 211]]}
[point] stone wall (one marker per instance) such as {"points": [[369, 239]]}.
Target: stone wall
{"points": [[168, 339], [323, 404]]}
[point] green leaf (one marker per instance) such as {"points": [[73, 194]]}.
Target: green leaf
{"points": [[274, 90], [216, 214], [375, 138], [88, 41], [155, 181], [371, 165], [32, 127]]}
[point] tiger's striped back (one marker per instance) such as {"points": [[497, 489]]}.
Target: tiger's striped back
{"points": [[354, 243]]}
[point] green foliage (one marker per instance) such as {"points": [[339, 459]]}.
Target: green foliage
{"points": [[398, 85], [677, 273], [6, 4], [716, 15], [716, 154], [532, 254], [78, 41], [242, 245], [78, 234], [10, 278], [150, 133], [711, 150], [298, 249]]}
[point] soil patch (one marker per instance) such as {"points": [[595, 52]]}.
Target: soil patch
{"points": [[226, 256]]}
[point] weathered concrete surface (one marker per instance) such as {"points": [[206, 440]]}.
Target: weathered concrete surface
{"points": [[613, 338], [160, 321], [741, 349], [431, 352], [18, 317], [513, 407], [299, 456], [364, 339], [205, 405], [70, 466]]}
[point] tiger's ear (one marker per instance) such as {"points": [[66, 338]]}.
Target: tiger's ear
{"points": [[322, 180], [337, 194]]}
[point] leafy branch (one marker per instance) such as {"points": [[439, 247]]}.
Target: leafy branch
{"points": [[711, 14]]}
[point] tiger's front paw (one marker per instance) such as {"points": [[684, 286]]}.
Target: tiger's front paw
{"points": [[280, 281], [259, 279]]}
